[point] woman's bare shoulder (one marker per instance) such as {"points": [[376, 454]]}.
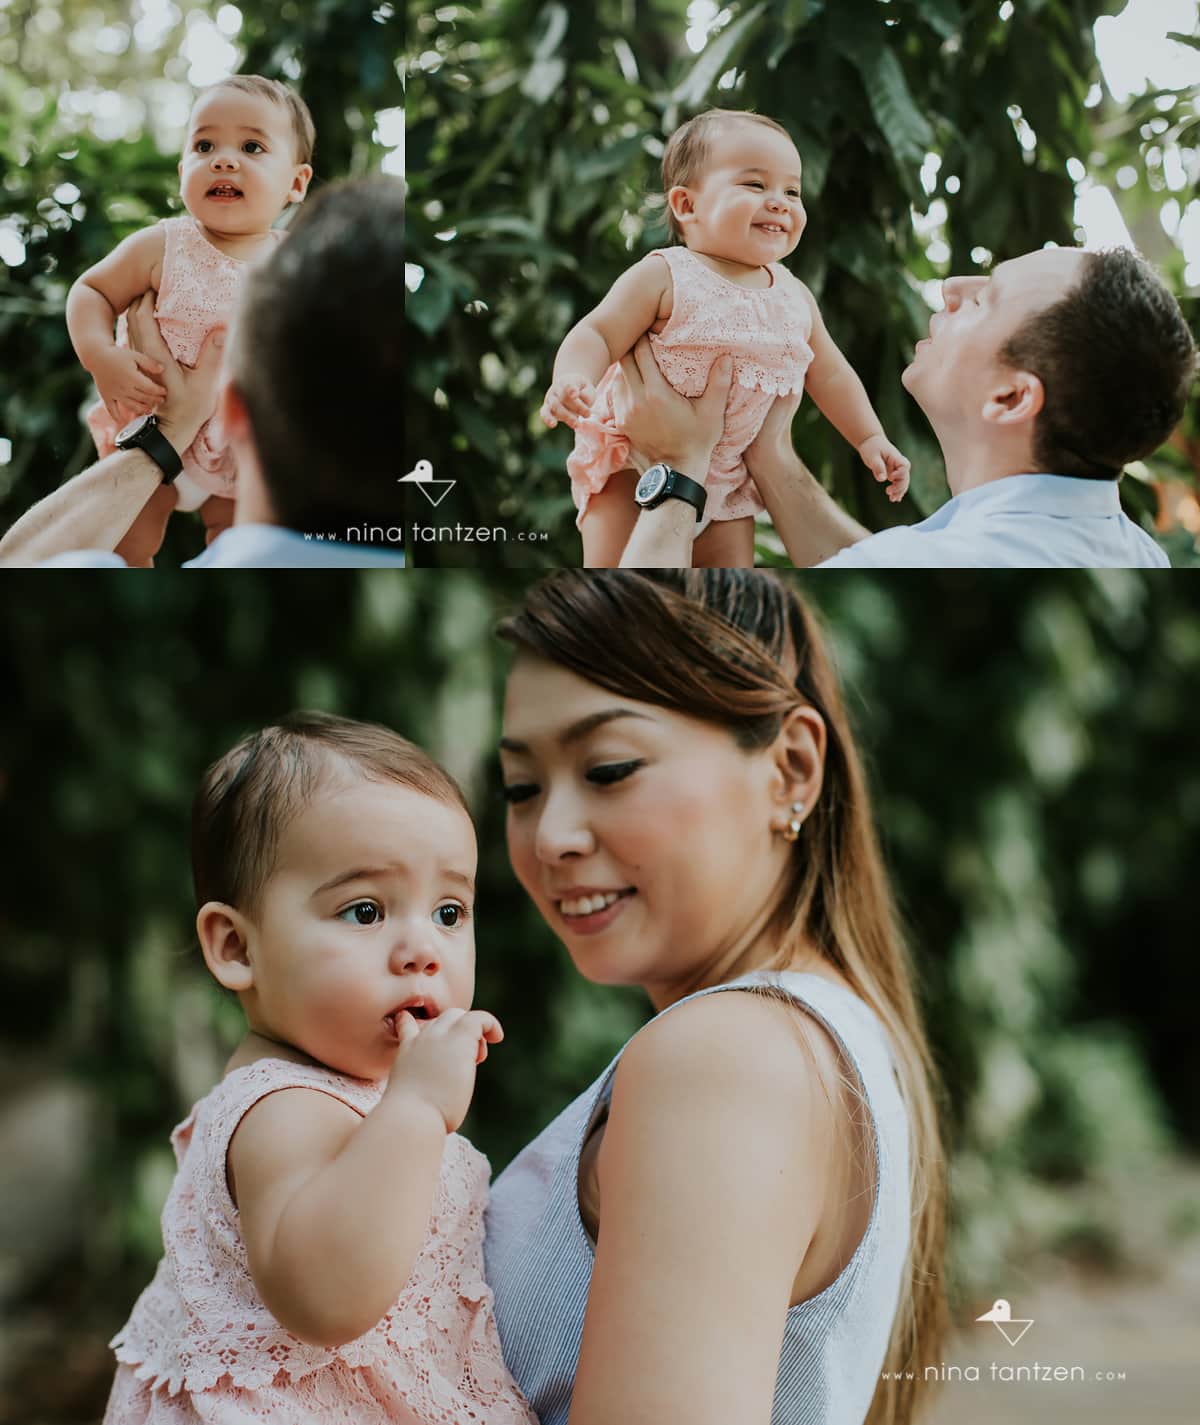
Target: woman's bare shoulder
{"points": [[733, 1044]]}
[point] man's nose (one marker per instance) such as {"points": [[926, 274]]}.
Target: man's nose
{"points": [[955, 290]]}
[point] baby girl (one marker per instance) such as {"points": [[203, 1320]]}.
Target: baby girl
{"points": [[732, 186], [323, 1239], [247, 157]]}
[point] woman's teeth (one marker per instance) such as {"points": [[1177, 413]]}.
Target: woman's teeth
{"points": [[589, 905]]}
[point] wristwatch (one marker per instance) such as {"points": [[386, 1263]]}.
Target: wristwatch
{"points": [[661, 483], [142, 433]]}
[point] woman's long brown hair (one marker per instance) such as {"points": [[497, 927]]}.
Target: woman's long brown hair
{"points": [[740, 649]]}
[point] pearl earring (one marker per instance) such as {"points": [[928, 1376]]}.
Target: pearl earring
{"points": [[793, 827]]}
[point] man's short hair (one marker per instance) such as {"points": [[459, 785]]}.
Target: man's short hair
{"points": [[1116, 361], [317, 359]]}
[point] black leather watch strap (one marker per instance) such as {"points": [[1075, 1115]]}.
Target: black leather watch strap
{"points": [[683, 487], [149, 438]]}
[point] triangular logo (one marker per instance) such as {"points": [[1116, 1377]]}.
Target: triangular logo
{"points": [[1010, 1333]]}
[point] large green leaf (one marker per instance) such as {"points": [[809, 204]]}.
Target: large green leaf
{"points": [[906, 129], [715, 58]]}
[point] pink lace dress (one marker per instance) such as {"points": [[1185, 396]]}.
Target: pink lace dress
{"points": [[196, 292], [764, 329], [200, 1346]]}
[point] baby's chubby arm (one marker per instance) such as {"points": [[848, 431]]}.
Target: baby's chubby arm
{"points": [[632, 305], [93, 304], [334, 1207], [842, 399]]}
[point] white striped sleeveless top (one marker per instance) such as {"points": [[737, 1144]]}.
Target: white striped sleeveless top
{"points": [[539, 1257]]}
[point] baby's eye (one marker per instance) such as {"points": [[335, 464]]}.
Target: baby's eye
{"points": [[203, 145], [253, 146], [451, 915], [362, 913], [793, 192], [752, 184]]}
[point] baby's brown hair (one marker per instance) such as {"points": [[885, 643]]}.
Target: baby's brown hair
{"points": [[303, 129], [688, 150], [248, 796]]}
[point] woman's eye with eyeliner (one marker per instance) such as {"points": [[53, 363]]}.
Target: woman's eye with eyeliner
{"points": [[516, 792], [609, 772], [361, 913]]}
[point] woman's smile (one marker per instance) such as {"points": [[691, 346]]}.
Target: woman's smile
{"points": [[589, 914]]}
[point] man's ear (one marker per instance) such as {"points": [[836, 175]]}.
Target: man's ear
{"points": [[1017, 397], [231, 412], [223, 935]]}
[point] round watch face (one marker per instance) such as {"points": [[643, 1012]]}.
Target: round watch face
{"points": [[134, 427], [651, 484]]}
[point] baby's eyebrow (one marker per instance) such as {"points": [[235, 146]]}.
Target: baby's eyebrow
{"points": [[792, 177], [245, 128], [363, 873]]}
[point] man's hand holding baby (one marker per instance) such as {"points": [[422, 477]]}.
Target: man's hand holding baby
{"points": [[567, 400], [885, 462]]}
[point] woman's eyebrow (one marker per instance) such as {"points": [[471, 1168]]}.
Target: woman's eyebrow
{"points": [[578, 730]]}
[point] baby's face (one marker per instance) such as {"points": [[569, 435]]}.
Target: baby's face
{"points": [[239, 169], [370, 908], [746, 206]]}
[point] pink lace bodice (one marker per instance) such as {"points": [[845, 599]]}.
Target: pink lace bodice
{"points": [[200, 1337], [197, 289], [764, 329]]}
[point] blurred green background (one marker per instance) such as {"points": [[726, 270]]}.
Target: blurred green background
{"points": [[937, 137], [94, 99], [1031, 742]]}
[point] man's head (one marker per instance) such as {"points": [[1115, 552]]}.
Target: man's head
{"points": [[314, 363], [1073, 363]]}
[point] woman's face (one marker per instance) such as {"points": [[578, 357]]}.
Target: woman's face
{"points": [[647, 839]]}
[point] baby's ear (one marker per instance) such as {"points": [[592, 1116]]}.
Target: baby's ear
{"points": [[222, 932], [300, 182], [681, 204]]}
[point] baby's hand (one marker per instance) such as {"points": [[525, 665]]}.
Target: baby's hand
{"points": [[567, 400], [885, 462], [437, 1059], [122, 378]]}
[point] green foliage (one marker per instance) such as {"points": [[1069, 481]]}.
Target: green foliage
{"points": [[343, 58], [534, 135]]}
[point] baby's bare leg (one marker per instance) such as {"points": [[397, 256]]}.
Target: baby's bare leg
{"points": [[611, 516], [143, 539], [725, 544]]}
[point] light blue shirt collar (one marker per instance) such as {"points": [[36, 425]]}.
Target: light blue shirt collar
{"points": [[264, 546], [1017, 522]]}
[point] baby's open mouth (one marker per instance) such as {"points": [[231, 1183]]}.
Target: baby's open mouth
{"points": [[224, 190], [419, 1008]]}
